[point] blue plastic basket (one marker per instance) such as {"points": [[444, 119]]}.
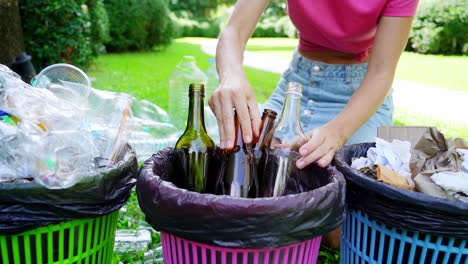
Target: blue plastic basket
{"points": [[363, 240]]}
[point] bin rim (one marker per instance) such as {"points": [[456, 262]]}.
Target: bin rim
{"points": [[148, 165], [390, 192]]}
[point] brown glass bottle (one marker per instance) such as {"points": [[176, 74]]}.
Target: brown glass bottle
{"points": [[194, 145], [240, 177], [263, 145], [268, 122]]}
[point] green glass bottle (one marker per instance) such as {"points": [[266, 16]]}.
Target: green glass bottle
{"points": [[195, 142]]}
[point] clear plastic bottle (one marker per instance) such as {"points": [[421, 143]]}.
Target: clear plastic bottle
{"points": [[185, 73], [151, 129], [212, 84], [212, 79]]}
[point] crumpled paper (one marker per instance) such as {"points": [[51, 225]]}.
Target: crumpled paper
{"points": [[395, 156], [464, 152], [432, 154], [455, 183]]}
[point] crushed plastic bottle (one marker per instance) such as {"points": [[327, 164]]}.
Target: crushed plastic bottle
{"points": [[151, 129], [134, 240], [185, 73]]}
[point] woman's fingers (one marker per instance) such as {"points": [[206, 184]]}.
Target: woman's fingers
{"points": [[243, 116], [238, 96], [215, 105], [320, 148], [255, 119]]}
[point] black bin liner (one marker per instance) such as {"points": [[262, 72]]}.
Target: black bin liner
{"points": [[25, 206], [226, 221], [404, 209]]}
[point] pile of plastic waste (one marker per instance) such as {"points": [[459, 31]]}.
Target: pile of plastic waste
{"points": [[59, 130]]}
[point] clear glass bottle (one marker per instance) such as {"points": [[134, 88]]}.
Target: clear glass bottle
{"points": [[286, 137], [186, 72], [195, 143], [240, 176]]}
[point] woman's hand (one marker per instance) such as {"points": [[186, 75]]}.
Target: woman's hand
{"points": [[235, 92], [322, 145]]}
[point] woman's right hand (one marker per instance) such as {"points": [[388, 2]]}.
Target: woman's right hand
{"points": [[235, 92]]}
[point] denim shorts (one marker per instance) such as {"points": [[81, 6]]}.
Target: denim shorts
{"points": [[326, 90]]}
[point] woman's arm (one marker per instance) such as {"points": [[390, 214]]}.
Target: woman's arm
{"points": [[390, 40], [234, 91]]}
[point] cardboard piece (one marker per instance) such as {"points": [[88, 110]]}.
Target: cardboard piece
{"points": [[408, 133]]}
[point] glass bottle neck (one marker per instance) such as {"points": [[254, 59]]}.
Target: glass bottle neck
{"points": [[268, 122], [291, 110], [196, 119]]}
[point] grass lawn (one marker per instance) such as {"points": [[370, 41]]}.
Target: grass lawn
{"points": [[146, 76]]}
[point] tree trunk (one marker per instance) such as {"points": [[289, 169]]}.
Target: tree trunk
{"points": [[11, 33]]}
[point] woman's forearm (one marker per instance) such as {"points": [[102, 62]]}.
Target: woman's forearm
{"points": [[325, 141], [363, 104], [390, 40]]}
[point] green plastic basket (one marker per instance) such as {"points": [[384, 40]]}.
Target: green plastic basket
{"points": [[76, 241]]}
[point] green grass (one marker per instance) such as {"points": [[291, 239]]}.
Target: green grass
{"points": [[448, 72]]}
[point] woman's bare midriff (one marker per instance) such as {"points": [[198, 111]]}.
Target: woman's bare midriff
{"points": [[332, 57]]}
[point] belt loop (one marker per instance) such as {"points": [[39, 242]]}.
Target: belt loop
{"points": [[348, 73]]}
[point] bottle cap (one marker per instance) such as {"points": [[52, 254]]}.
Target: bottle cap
{"points": [[197, 87]]}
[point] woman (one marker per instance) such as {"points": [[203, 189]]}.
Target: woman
{"points": [[346, 60]]}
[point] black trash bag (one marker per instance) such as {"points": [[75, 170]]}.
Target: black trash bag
{"points": [[404, 209], [24, 206], [239, 222]]}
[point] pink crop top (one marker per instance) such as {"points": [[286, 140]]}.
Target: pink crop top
{"points": [[343, 25]]}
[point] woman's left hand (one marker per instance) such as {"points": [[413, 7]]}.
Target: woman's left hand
{"points": [[322, 144]]}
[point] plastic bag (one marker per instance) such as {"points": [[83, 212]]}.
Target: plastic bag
{"points": [[399, 208], [239, 222], [25, 206]]}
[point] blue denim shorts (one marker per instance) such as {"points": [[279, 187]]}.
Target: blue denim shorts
{"points": [[327, 89]]}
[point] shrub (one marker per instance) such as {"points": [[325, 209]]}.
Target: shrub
{"points": [[273, 26], [440, 27], [138, 25], [194, 27], [57, 31], [99, 25], [198, 8]]}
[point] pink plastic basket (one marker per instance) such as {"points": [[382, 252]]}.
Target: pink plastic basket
{"points": [[177, 250]]}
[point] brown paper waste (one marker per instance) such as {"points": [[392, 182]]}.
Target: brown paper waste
{"points": [[434, 153], [388, 176]]}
